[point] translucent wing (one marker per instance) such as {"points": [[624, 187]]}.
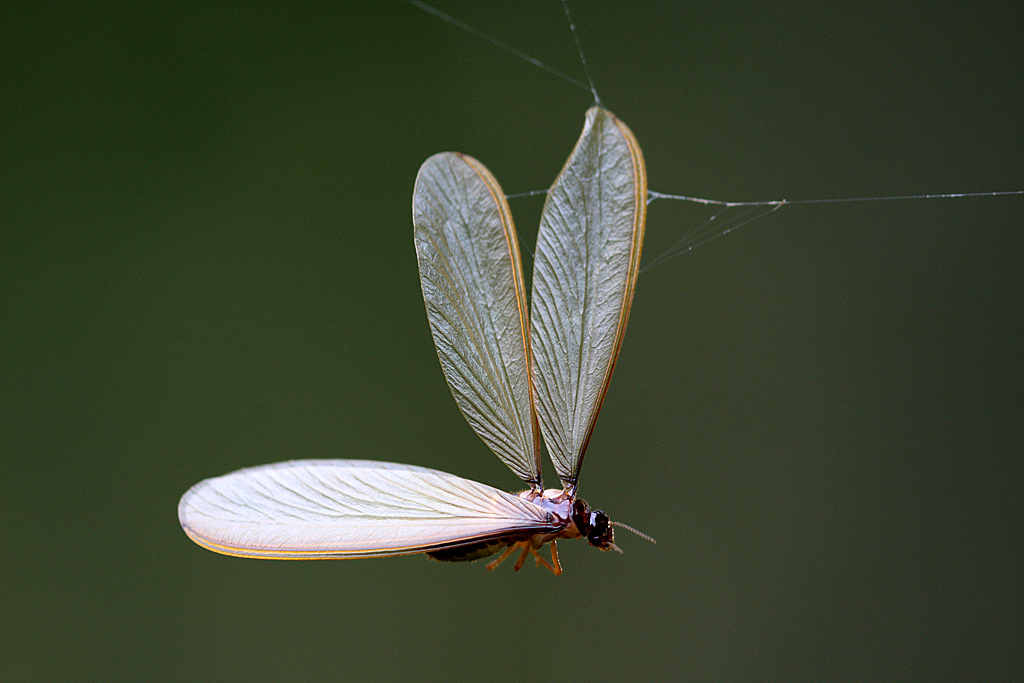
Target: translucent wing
{"points": [[340, 509], [584, 274], [472, 282]]}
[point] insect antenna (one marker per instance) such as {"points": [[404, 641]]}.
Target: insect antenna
{"points": [[638, 533]]}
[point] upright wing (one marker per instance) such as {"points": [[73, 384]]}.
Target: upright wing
{"points": [[342, 509], [472, 282], [584, 274]]}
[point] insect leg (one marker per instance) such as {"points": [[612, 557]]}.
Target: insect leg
{"points": [[553, 566], [527, 549], [501, 558]]}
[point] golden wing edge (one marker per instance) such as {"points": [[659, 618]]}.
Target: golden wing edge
{"points": [[519, 285], [639, 169], [569, 476], [533, 477], [513, 534], [501, 516]]}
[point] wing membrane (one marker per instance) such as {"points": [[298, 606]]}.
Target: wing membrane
{"points": [[585, 269], [472, 281], [340, 509]]}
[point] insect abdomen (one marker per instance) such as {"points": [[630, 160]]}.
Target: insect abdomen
{"points": [[466, 553]]}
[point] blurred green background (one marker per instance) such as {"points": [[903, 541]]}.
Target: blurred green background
{"points": [[207, 263]]}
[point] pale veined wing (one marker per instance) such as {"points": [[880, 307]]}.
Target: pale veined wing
{"points": [[585, 272], [472, 281], [584, 275], [341, 509]]}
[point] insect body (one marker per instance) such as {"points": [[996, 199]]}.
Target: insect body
{"points": [[516, 375]]}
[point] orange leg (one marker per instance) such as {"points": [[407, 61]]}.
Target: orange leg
{"points": [[528, 550], [554, 566], [557, 568], [501, 558]]}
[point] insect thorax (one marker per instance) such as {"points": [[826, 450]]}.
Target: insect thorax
{"points": [[579, 519]]}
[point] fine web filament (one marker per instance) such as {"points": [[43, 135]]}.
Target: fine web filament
{"points": [[714, 227]]}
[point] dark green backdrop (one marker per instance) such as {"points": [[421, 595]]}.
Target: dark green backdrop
{"points": [[207, 263]]}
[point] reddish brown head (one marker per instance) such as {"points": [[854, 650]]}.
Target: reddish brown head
{"points": [[593, 524]]}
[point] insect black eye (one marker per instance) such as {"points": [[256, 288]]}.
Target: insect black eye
{"points": [[600, 533]]}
